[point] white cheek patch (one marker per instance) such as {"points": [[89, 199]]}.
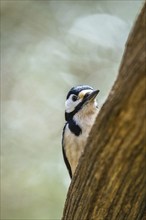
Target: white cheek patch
{"points": [[70, 104]]}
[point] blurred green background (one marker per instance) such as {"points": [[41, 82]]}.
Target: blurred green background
{"points": [[46, 48]]}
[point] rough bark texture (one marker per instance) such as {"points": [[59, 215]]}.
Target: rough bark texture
{"points": [[109, 182]]}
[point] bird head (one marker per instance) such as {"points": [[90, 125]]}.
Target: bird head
{"points": [[80, 98]]}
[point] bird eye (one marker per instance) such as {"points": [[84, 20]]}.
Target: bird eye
{"points": [[74, 98]]}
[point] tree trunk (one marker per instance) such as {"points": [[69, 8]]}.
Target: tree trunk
{"points": [[109, 182]]}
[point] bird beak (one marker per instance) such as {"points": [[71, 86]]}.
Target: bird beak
{"points": [[91, 97]]}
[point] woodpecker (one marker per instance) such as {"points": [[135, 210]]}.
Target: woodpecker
{"points": [[80, 112]]}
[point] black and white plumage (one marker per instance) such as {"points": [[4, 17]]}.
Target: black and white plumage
{"points": [[80, 113]]}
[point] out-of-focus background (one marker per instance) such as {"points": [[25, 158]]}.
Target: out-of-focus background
{"points": [[46, 48]]}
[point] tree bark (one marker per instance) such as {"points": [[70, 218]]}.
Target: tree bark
{"points": [[109, 182]]}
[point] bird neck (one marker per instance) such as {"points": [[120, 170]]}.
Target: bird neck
{"points": [[82, 120], [86, 117]]}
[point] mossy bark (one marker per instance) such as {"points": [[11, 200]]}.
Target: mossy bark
{"points": [[109, 182]]}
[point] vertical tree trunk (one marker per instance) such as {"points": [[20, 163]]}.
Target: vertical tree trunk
{"points": [[109, 182]]}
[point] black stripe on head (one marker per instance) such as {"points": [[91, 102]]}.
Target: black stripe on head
{"points": [[77, 89]]}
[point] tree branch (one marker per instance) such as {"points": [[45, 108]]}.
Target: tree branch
{"points": [[109, 182]]}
